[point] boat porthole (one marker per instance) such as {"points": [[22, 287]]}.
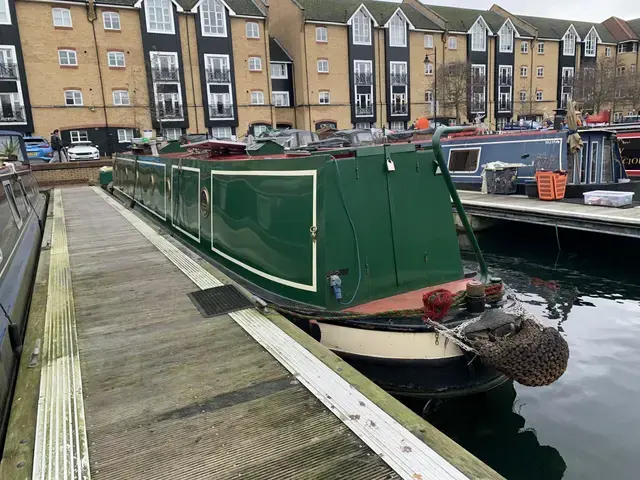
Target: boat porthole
{"points": [[204, 202]]}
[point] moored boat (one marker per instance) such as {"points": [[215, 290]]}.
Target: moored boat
{"points": [[357, 246]]}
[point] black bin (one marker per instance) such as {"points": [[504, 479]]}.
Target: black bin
{"points": [[502, 181]]}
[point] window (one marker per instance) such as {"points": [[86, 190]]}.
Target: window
{"points": [[257, 97], [72, 97], [361, 27], [280, 99], [524, 46], [428, 68], [62, 17], [633, 69], [539, 96], [397, 125], [324, 98], [397, 32], [111, 20], [453, 43], [590, 45], [607, 51], [428, 96], [221, 132], [523, 96], [464, 160], [594, 161], [540, 48], [79, 136], [540, 72], [172, 133], [478, 37], [627, 47], [321, 35], [5, 16], [524, 71], [255, 64], [67, 58], [323, 66], [125, 135], [213, 23], [501, 122], [159, 15], [617, 116], [116, 59], [428, 41], [621, 70], [252, 30], [506, 38], [279, 70], [13, 205], [121, 97], [569, 43], [363, 125], [259, 129]]}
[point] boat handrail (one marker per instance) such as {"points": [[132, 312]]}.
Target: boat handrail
{"points": [[437, 150]]}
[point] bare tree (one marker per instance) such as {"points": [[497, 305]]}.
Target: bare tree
{"points": [[459, 86], [632, 90], [595, 86]]}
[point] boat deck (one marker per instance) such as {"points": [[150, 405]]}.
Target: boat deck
{"points": [[123, 378], [615, 221]]}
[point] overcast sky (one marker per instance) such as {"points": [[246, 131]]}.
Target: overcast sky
{"points": [[587, 10]]}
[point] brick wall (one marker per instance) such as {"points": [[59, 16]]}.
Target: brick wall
{"points": [[73, 173]]}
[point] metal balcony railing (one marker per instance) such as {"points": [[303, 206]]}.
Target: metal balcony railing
{"points": [[505, 79], [170, 113], [478, 79], [221, 110], [363, 78], [218, 75], [477, 106], [567, 81], [399, 109], [362, 111], [12, 114], [165, 74], [398, 79], [9, 71]]}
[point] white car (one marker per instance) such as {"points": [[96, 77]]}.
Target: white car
{"points": [[83, 151]]}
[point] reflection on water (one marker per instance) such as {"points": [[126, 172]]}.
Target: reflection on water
{"points": [[585, 426]]}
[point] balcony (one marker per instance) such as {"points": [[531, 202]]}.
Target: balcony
{"points": [[504, 105], [399, 109], [364, 111], [478, 80], [218, 75], [165, 74], [8, 71], [220, 110], [170, 113], [12, 114], [477, 105], [398, 79], [567, 81], [363, 78], [505, 80]]}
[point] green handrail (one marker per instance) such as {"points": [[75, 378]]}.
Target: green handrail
{"points": [[437, 150]]}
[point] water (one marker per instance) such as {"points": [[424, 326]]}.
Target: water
{"points": [[587, 424]]}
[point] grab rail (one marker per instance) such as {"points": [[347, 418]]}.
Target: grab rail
{"points": [[437, 150]]}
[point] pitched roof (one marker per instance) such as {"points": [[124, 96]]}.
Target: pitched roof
{"points": [[240, 7], [462, 19], [277, 51], [635, 26], [555, 28]]}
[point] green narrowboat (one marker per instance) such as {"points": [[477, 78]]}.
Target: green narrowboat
{"points": [[346, 243]]}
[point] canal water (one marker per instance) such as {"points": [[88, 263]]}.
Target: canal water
{"points": [[587, 424]]}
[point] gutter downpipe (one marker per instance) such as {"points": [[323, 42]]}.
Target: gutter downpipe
{"points": [[193, 86], [306, 68], [91, 16], [267, 57], [437, 150]]}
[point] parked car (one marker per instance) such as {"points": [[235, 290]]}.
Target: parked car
{"points": [[38, 148], [83, 151]]}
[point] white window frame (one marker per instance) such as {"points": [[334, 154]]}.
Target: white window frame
{"points": [[111, 15], [428, 40], [322, 62], [113, 58], [480, 69], [607, 51], [397, 31], [78, 134], [524, 71], [216, 15], [397, 123], [69, 56], [283, 73], [7, 13], [361, 28], [590, 44], [62, 12], [569, 43], [478, 37], [539, 96], [524, 46], [452, 42], [362, 125], [257, 97], [540, 48], [506, 38], [632, 69], [125, 135], [259, 129], [428, 68], [254, 64], [173, 131], [284, 95], [73, 94], [252, 30], [538, 71], [216, 130], [523, 95], [465, 149], [322, 35], [118, 98], [165, 4], [324, 94]]}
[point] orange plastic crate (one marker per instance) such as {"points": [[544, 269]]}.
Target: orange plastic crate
{"points": [[551, 185]]}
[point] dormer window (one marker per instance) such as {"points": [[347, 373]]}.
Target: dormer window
{"points": [[397, 31], [213, 21], [506, 38], [569, 41], [159, 15], [478, 37], [361, 29], [590, 44]]}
